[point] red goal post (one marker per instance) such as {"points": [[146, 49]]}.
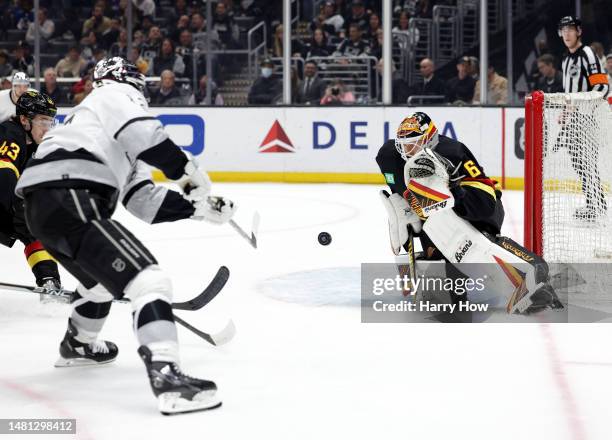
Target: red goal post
{"points": [[568, 176]]}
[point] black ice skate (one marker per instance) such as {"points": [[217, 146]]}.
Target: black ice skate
{"points": [[175, 391], [74, 353], [544, 297]]}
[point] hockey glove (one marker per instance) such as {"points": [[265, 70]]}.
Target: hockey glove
{"points": [[400, 217], [195, 183], [214, 209]]}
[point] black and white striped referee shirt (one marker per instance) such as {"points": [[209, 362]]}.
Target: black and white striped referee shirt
{"points": [[582, 72]]}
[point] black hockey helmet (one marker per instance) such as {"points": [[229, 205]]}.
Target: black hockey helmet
{"points": [[33, 103], [569, 20], [120, 70]]}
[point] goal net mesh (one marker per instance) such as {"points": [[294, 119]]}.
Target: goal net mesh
{"points": [[576, 178]]}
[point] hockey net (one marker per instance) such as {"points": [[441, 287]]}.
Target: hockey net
{"points": [[568, 177]]}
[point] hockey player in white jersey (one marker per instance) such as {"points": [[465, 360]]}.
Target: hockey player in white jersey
{"points": [[8, 98], [71, 187]]}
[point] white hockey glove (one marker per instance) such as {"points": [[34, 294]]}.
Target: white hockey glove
{"points": [[195, 183], [214, 209], [400, 217]]}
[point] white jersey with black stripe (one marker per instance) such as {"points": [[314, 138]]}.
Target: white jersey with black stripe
{"points": [[7, 106], [582, 72]]}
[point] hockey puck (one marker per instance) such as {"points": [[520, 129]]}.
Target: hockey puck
{"points": [[324, 238]]}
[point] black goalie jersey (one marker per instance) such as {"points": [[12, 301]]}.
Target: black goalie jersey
{"points": [[477, 197]]}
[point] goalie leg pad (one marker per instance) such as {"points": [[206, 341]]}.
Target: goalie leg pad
{"points": [[502, 271]]}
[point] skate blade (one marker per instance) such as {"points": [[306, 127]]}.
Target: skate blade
{"points": [[171, 403], [79, 362]]}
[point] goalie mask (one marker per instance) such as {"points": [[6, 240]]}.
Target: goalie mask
{"points": [[416, 132], [120, 70]]}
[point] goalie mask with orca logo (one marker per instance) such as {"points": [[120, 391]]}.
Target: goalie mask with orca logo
{"points": [[415, 132]]}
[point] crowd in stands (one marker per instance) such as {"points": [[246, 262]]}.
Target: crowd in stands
{"points": [[170, 38]]}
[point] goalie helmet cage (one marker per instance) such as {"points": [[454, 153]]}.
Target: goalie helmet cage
{"points": [[568, 176]]}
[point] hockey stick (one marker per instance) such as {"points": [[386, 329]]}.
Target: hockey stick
{"points": [[196, 303], [216, 339], [252, 239]]}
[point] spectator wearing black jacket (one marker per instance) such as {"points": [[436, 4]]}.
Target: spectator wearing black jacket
{"points": [[399, 86], [51, 87], [460, 89], [266, 88], [430, 85], [168, 93], [224, 24], [550, 80], [167, 59], [354, 45], [312, 89], [358, 16], [318, 47]]}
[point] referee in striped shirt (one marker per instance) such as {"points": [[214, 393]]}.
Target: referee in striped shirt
{"points": [[582, 72]]}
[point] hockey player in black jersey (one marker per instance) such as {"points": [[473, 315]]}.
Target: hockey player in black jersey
{"points": [[99, 156], [19, 138], [440, 191]]}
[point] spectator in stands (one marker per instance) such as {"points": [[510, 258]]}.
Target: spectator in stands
{"points": [[609, 68], [318, 46], [399, 86], [5, 84], [337, 94], [376, 47], [403, 26], [5, 67], [277, 42], [119, 48], [180, 8], [151, 47], [87, 88], [138, 39], [181, 25], [168, 93], [111, 37], [72, 64], [147, 24], [354, 45], [97, 22], [600, 53], [89, 43], [185, 49], [249, 8], [23, 60], [460, 89], [223, 24], [122, 15], [146, 7], [312, 88], [358, 17], [474, 68], [266, 88], [199, 97], [550, 80], [198, 24], [329, 20], [373, 28], [430, 85], [140, 62], [167, 59], [51, 88], [497, 88], [47, 27]]}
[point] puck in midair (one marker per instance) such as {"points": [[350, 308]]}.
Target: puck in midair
{"points": [[324, 238]]}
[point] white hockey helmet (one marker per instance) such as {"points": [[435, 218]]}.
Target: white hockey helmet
{"points": [[120, 70], [21, 79]]}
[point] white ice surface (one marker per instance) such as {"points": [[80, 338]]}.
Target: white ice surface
{"points": [[302, 366]]}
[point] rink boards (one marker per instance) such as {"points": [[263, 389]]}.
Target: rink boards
{"points": [[333, 144]]}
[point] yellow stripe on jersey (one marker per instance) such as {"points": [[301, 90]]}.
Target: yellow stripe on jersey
{"points": [[39, 256], [482, 186], [10, 166]]}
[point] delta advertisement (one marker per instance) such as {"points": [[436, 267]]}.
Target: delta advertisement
{"points": [[333, 144]]}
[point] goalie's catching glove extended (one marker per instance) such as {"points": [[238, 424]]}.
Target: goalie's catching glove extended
{"points": [[400, 217]]}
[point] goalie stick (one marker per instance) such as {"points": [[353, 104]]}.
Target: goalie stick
{"points": [[196, 303]]}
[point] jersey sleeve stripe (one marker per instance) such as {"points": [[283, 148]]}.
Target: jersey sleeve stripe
{"points": [[481, 186], [10, 166], [131, 121]]}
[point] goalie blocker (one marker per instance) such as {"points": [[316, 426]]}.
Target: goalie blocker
{"points": [[461, 213]]}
